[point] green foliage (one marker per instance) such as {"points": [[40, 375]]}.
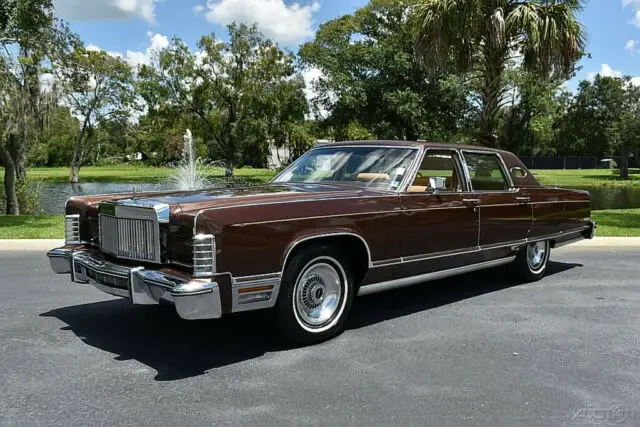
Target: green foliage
{"points": [[235, 95], [27, 192], [602, 119], [481, 35], [369, 75]]}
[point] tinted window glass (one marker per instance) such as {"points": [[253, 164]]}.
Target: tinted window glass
{"points": [[438, 171], [486, 172], [375, 166]]}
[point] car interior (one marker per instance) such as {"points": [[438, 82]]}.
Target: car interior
{"points": [[438, 172]]}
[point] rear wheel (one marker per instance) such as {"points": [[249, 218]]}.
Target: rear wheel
{"points": [[316, 295], [531, 262]]}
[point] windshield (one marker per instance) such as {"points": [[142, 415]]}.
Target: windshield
{"points": [[378, 167]]}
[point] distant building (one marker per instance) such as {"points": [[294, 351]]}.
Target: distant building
{"points": [[281, 156]]}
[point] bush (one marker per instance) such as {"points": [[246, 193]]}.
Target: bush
{"points": [[28, 193]]}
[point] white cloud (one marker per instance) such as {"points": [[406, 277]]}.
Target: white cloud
{"points": [[630, 46], [636, 5], [88, 10], [310, 76], [636, 20], [198, 9], [157, 43], [284, 23], [606, 71], [92, 48]]}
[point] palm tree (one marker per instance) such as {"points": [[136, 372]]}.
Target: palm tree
{"points": [[483, 35]]}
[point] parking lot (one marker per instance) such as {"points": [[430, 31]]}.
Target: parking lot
{"points": [[476, 349]]}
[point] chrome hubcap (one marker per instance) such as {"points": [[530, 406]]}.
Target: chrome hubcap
{"points": [[318, 294], [536, 255]]}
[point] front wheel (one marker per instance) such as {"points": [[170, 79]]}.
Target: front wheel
{"points": [[531, 262], [316, 295]]}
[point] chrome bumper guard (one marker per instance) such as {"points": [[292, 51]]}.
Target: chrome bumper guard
{"points": [[193, 298], [591, 230]]}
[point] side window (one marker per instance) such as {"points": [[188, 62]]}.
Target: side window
{"points": [[439, 171], [486, 172]]}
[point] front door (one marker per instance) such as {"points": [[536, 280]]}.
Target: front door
{"points": [[440, 227]]}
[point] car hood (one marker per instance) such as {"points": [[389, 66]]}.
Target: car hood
{"points": [[194, 201]]}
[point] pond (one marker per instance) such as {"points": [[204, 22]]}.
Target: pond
{"points": [[54, 195]]}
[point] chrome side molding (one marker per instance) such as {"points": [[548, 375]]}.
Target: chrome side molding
{"points": [[441, 274]]}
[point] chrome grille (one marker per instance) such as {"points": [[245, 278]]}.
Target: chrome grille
{"points": [[137, 239]]}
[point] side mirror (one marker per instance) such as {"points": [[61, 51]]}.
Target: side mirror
{"points": [[437, 183]]}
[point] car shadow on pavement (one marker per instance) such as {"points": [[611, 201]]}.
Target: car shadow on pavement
{"points": [[404, 301], [176, 348]]}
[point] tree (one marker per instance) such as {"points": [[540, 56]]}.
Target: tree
{"points": [[27, 35], [603, 119], [624, 130], [369, 77], [535, 105], [482, 35], [238, 94], [98, 88]]}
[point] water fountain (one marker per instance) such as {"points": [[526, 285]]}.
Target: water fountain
{"points": [[189, 173]]}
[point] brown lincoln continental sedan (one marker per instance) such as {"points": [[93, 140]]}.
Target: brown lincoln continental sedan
{"points": [[345, 219]]}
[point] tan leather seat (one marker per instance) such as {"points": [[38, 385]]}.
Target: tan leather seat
{"points": [[422, 181], [417, 189], [368, 176]]}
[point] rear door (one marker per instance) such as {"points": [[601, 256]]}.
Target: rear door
{"points": [[506, 215]]}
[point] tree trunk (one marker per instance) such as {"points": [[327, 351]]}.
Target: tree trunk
{"points": [[9, 182], [624, 162], [20, 163], [75, 169], [494, 59], [78, 154]]}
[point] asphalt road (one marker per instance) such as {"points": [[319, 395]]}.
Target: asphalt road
{"points": [[473, 350]]}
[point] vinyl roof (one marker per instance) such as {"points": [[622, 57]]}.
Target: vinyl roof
{"points": [[407, 144]]}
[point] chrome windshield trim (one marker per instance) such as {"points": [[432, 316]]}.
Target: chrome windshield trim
{"points": [[418, 149]]}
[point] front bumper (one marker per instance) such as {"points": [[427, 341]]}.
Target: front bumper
{"points": [[193, 298]]}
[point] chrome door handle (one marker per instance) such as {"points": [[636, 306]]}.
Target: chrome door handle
{"points": [[524, 199], [472, 201]]}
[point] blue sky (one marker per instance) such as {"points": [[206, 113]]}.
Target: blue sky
{"points": [[134, 28]]}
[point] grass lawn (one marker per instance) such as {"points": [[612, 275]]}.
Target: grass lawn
{"points": [[136, 173], [613, 222], [587, 177], [617, 222], [32, 227]]}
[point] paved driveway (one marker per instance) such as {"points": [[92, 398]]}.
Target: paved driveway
{"points": [[471, 350]]}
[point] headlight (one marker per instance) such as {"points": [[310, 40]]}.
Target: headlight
{"points": [[72, 229], [204, 255]]}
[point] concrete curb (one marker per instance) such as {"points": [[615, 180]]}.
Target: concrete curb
{"points": [[47, 244], [42, 245]]}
